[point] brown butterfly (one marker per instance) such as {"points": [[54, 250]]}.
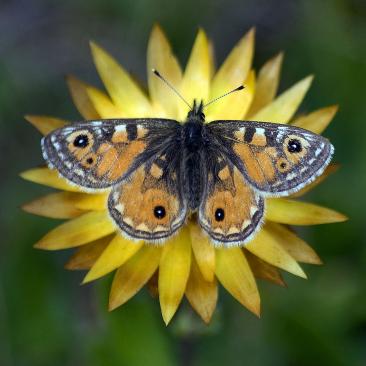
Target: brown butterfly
{"points": [[160, 171]]}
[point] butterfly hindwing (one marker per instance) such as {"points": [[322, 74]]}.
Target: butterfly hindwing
{"points": [[230, 211], [275, 159], [149, 204], [98, 154]]}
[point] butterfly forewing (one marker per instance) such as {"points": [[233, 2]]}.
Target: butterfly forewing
{"points": [[274, 159], [99, 154]]}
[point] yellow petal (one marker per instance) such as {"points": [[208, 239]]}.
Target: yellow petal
{"points": [[317, 121], [119, 251], [231, 74], [267, 83], [130, 278], [293, 245], [123, 90], [212, 59], [56, 205], [204, 252], [48, 178], [264, 270], [45, 124], [85, 256], [330, 169], [80, 97], [173, 273], [234, 273], [265, 246], [201, 294], [161, 58], [103, 104], [248, 93], [291, 212], [196, 79], [82, 230], [284, 106], [92, 202]]}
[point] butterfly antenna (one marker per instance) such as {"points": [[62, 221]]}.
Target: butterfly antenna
{"points": [[241, 87], [157, 73]]}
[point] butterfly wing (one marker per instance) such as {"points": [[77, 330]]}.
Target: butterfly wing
{"points": [[231, 211], [149, 204], [98, 154], [275, 159]]}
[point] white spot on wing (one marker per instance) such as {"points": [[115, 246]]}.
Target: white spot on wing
{"points": [[253, 210], [128, 221], [120, 128], [291, 176], [246, 223], [318, 151], [79, 172], [143, 227], [260, 131], [120, 208]]}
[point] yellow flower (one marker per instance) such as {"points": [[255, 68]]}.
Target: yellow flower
{"points": [[188, 264]]}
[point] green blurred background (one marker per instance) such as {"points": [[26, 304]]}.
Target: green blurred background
{"points": [[46, 318]]}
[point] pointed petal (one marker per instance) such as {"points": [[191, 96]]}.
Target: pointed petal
{"points": [[212, 58], [291, 212], [204, 252], [267, 83], [330, 169], [173, 273], [293, 245], [103, 104], [264, 270], [234, 273], [130, 278], [82, 230], [266, 247], [248, 95], [123, 90], [80, 97], [233, 72], [85, 256], [48, 178], [201, 294], [317, 121], [92, 202], [119, 251], [45, 124], [161, 58], [284, 106], [55, 205], [196, 79]]}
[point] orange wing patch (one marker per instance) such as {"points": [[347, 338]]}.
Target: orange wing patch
{"points": [[115, 160], [258, 164], [144, 208], [231, 215]]}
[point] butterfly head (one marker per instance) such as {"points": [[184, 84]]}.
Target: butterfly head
{"points": [[196, 113]]}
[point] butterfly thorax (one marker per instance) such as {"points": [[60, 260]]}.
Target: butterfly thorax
{"points": [[193, 133], [193, 128]]}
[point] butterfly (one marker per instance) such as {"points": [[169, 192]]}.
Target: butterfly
{"points": [[160, 172]]}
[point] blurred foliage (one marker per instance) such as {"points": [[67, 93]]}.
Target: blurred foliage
{"points": [[47, 319]]}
